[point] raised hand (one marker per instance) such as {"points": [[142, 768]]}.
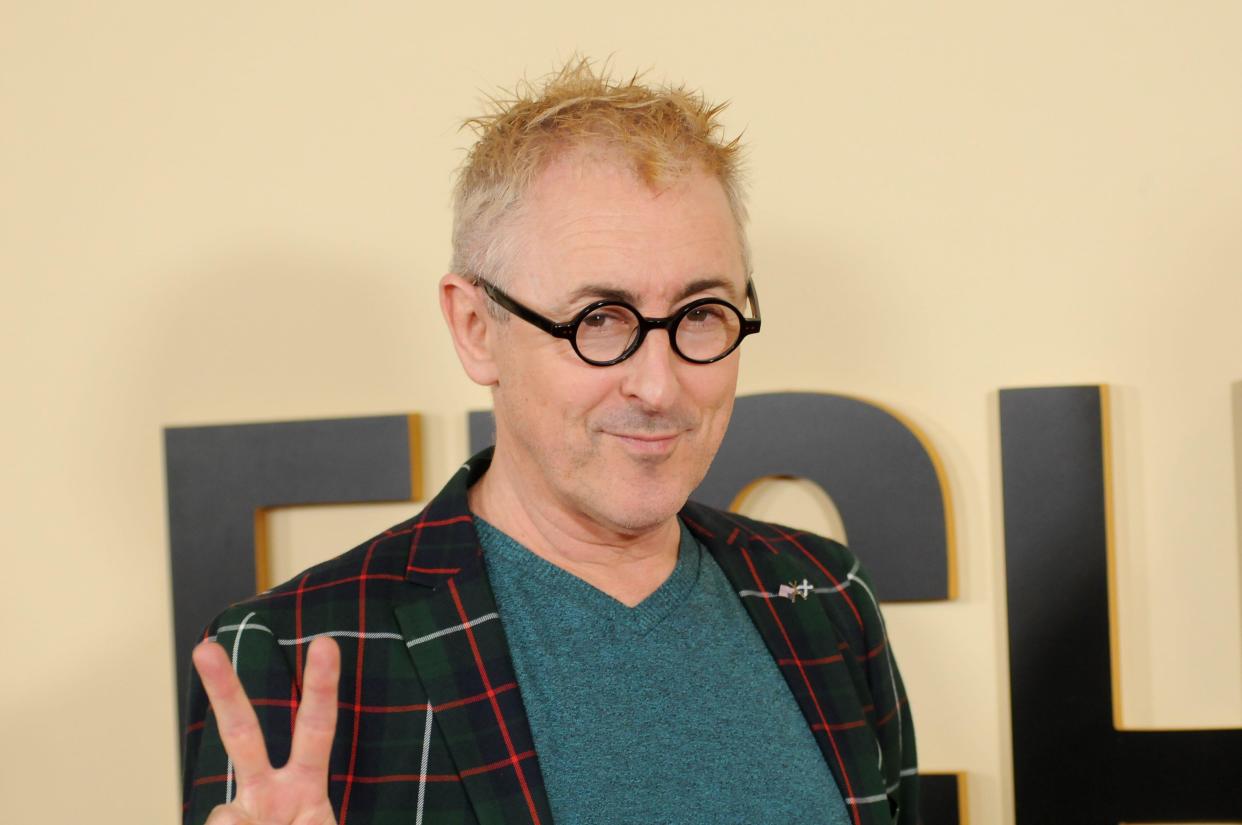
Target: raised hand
{"points": [[296, 794]]}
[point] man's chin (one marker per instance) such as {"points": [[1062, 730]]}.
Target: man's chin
{"points": [[639, 510], [636, 522]]}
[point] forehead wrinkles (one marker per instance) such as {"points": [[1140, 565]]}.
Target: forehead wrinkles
{"points": [[598, 222], [627, 233]]}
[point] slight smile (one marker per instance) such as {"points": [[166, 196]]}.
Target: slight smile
{"points": [[647, 443]]}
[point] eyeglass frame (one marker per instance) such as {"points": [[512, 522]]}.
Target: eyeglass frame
{"points": [[569, 329]]}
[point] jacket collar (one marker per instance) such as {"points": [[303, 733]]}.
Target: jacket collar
{"points": [[444, 543]]}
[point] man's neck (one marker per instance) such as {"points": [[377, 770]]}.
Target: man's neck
{"points": [[629, 566]]}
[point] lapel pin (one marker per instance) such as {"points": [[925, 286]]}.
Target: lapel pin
{"points": [[793, 590]]}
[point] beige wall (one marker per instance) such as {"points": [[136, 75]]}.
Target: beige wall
{"points": [[237, 211]]}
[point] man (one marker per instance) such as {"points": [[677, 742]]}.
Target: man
{"points": [[559, 635]]}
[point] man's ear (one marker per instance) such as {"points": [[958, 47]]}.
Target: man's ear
{"points": [[473, 328]]}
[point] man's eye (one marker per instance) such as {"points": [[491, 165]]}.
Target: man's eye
{"points": [[597, 319], [705, 315], [605, 319]]}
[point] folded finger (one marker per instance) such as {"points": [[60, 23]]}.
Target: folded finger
{"points": [[226, 815], [235, 717], [316, 722]]}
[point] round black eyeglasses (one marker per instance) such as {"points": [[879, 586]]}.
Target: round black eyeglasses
{"points": [[607, 332]]}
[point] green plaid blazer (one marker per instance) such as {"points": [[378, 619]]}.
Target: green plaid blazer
{"points": [[431, 727]]}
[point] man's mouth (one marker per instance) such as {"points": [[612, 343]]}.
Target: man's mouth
{"points": [[648, 443]]}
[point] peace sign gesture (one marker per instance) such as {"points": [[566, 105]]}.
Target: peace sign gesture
{"points": [[296, 794]]}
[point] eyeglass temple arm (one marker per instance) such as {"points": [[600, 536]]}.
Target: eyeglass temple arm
{"points": [[753, 324], [525, 313]]}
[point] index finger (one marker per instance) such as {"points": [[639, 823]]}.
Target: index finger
{"points": [[316, 723], [235, 717]]}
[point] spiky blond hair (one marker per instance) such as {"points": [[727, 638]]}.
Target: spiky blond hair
{"points": [[662, 133]]}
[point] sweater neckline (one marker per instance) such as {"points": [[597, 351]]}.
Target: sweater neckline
{"points": [[558, 583]]}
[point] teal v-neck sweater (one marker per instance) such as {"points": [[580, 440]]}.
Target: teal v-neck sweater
{"points": [[672, 711]]}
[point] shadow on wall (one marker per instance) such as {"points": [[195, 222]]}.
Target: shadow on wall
{"points": [[1237, 477]]}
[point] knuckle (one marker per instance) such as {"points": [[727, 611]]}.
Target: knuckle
{"points": [[241, 732]]}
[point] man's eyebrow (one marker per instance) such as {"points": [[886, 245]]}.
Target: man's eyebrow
{"points": [[704, 284], [602, 292], [598, 292]]}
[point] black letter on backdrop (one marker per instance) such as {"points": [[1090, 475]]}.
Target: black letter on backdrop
{"points": [[1070, 763], [221, 479]]}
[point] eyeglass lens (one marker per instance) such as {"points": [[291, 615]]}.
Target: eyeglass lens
{"points": [[702, 333]]}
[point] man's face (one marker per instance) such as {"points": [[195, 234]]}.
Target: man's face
{"points": [[619, 446]]}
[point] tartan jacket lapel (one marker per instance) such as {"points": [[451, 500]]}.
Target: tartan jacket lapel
{"points": [[458, 646], [806, 637]]}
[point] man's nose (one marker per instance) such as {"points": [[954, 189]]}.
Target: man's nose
{"points": [[651, 372]]}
